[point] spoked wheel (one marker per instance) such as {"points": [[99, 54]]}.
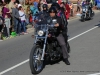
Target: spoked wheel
{"points": [[82, 18], [36, 64], [93, 13]]}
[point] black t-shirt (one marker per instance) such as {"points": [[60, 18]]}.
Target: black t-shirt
{"points": [[60, 27]]}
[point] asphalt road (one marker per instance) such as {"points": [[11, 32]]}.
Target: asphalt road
{"points": [[84, 39]]}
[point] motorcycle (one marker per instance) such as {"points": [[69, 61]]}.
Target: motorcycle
{"points": [[86, 13], [45, 48]]}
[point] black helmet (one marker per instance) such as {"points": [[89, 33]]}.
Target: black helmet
{"points": [[45, 6], [56, 5], [52, 9]]}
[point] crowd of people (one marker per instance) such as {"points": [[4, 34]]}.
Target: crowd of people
{"points": [[13, 20], [15, 17]]}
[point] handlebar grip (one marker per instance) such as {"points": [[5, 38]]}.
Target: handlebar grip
{"points": [[52, 25]]}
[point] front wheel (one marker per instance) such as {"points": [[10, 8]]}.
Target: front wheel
{"points": [[82, 18], [36, 64]]}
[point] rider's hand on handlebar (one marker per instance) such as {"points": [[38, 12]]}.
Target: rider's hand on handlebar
{"points": [[56, 25], [49, 35]]}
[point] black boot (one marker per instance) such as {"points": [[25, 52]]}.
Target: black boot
{"points": [[66, 61]]}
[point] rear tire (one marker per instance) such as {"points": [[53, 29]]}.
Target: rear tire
{"points": [[35, 62]]}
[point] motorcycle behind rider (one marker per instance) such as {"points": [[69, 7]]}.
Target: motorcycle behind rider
{"points": [[87, 2], [59, 28], [44, 12]]}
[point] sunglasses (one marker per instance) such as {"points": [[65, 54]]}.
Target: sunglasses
{"points": [[52, 12]]}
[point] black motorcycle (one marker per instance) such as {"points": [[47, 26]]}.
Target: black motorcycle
{"points": [[86, 13], [45, 47]]}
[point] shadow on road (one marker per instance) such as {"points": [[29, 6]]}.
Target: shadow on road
{"points": [[98, 25]]}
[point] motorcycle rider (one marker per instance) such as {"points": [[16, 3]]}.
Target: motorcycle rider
{"points": [[45, 9], [59, 28], [61, 13], [90, 6], [44, 12]]}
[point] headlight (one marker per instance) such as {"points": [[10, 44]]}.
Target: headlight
{"points": [[84, 9], [40, 33]]}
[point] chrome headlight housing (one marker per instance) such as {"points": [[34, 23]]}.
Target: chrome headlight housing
{"points": [[40, 32], [85, 9]]}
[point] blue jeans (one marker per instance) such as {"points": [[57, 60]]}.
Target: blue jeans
{"points": [[98, 5], [23, 26], [17, 26]]}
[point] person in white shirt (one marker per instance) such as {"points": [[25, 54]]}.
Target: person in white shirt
{"points": [[22, 19]]}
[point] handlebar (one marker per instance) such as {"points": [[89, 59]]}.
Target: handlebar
{"points": [[49, 25]]}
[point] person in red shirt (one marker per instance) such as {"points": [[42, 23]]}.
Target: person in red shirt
{"points": [[59, 2], [67, 10]]}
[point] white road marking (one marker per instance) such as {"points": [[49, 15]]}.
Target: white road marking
{"points": [[94, 74], [11, 68], [82, 33], [1, 73]]}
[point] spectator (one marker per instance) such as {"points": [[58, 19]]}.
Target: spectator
{"points": [[78, 6], [28, 10], [0, 9], [16, 18], [71, 8], [7, 24], [31, 19], [28, 14], [67, 11], [59, 1], [11, 5], [97, 3], [34, 9], [5, 11], [23, 20], [19, 5]]}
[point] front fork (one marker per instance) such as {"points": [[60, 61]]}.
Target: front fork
{"points": [[84, 14], [44, 47], [45, 41]]}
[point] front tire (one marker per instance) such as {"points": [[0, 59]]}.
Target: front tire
{"points": [[36, 64], [82, 18]]}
